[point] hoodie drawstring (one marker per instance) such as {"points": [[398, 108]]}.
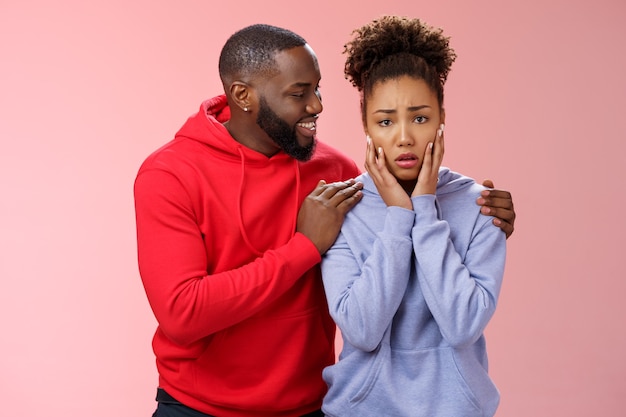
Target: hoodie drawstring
{"points": [[239, 203]]}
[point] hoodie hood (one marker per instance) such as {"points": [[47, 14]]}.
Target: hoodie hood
{"points": [[450, 181], [207, 127]]}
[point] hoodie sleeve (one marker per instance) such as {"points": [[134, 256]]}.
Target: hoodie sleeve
{"points": [[364, 299], [461, 292], [188, 303]]}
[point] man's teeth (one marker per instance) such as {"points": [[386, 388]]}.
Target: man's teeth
{"points": [[308, 125]]}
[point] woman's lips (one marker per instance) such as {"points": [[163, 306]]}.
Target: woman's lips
{"points": [[407, 160]]}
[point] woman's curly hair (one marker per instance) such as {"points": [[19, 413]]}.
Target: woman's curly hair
{"points": [[394, 46]]}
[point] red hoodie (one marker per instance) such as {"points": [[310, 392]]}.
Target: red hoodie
{"points": [[243, 325]]}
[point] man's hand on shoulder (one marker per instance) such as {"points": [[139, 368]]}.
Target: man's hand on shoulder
{"points": [[499, 204], [323, 210]]}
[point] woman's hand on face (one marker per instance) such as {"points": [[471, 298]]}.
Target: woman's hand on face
{"points": [[387, 185], [429, 173]]}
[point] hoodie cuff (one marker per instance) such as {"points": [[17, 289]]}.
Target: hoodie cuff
{"points": [[425, 208], [399, 221], [307, 254]]}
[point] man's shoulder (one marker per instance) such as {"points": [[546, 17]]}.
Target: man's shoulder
{"points": [[172, 156], [321, 145], [330, 162], [324, 152]]}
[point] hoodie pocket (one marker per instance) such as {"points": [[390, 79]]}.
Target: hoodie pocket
{"points": [[415, 383], [283, 352], [376, 365]]}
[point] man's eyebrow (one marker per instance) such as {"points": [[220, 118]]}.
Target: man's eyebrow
{"points": [[301, 84]]}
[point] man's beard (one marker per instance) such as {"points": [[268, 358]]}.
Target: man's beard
{"points": [[282, 134]]}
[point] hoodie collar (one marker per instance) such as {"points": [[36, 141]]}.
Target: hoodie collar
{"points": [[207, 127]]}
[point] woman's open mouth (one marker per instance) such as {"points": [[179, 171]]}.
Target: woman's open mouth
{"points": [[407, 160]]}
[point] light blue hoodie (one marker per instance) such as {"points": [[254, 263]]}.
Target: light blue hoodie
{"points": [[412, 293]]}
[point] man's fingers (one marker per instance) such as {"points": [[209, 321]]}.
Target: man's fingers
{"points": [[346, 204], [319, 189], [328, 190], [496, 193], [495, 202], [495, 198], [506, 227], [501, 213], [336, 194], [343, 193], [499, 204]]}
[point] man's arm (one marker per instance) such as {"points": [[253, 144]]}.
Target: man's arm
{"points": [[499, 204], [190, 304]]}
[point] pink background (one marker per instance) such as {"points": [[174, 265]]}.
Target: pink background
{"points": [[535, 101]]}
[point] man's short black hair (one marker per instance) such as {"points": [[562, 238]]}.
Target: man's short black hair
{"points": [[251, 50]]}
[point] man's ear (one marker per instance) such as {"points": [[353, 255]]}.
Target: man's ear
{"points": [[243, 95]]}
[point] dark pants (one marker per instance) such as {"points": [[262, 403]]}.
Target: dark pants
{"points": [[170, 407]]}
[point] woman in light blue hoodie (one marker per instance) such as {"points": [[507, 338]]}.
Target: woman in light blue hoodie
{"points": [[414, 277]]}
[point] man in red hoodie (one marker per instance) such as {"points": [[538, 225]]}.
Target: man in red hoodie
{"points": [[233, 216]]}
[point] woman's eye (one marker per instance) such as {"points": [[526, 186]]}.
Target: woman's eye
{"points": [[421, 119], [385, 122]]}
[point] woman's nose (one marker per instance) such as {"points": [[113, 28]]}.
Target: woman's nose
{"points": [[406, 138]]}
